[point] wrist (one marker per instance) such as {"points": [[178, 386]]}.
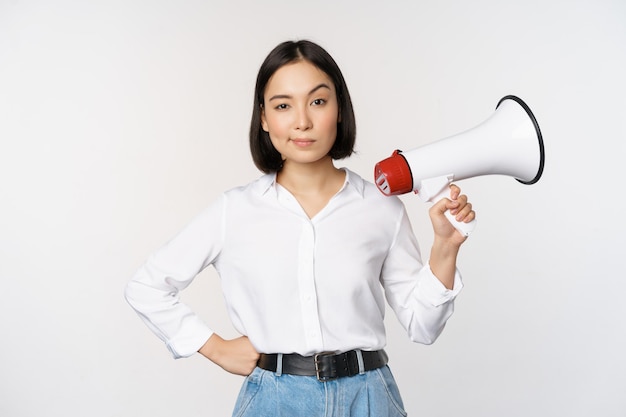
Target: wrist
{"points": [[211, 347], [442, 261], [445, 248]]}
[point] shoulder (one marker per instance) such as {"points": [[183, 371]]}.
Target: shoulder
{"points": [[258, 187], [380, 208], [371, 194]]}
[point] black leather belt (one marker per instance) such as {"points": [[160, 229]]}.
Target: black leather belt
{"points": [[325, 366]]}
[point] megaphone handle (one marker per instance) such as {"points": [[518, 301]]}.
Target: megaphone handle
{"points": [[464, 228], [435, 189]]}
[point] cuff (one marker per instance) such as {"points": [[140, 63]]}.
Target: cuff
{"points": [[189, 340], [435, 292]]}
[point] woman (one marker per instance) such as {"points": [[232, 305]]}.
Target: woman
{"points": [[307, 255]]}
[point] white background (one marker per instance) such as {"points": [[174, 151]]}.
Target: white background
{"points": [[121, 119]]}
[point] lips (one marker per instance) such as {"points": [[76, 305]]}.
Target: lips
{"points": [[302, 142]]}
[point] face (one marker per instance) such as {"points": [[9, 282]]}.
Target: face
{"points": [[301, 113]]}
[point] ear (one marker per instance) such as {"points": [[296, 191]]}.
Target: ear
{"points": [[263, 120]]}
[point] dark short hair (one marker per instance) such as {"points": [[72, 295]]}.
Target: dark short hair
{"points": [[265, 156]]}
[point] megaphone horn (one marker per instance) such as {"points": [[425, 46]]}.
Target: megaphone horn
{"points": [[507, 143]]}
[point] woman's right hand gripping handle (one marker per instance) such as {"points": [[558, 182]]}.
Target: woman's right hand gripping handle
{"points": [[236, 356]]}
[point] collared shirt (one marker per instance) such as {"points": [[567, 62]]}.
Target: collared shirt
{"points": [[294, 283]]}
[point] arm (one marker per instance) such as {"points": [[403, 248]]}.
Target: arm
{"points": [[422, 296], [154, 294], [154, 290], [448, 240]]}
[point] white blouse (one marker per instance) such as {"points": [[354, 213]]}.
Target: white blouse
{"points": [[294, 284]]}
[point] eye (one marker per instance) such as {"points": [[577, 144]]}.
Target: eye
{"points": [[281, 106], [318, 102]]}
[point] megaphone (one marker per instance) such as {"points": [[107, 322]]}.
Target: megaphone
{"points": [[507, 143]]}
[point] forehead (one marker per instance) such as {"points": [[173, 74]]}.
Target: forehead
{"points": [[298, 77]]}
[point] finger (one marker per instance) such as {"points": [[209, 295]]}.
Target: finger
{"points": [[457, 205], [466, 214], [454, 191]]}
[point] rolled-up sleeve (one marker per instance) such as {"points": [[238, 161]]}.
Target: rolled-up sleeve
{"points": [[153, 292], [421, 302]]}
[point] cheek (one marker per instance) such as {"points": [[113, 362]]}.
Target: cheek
{"points": [[277, 133], [330, 125], [276, 125]]}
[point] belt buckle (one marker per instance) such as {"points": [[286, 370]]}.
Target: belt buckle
{"points": [[320, 377]]}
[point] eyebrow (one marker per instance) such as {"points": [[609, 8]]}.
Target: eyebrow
{"points": [[284, 96]]}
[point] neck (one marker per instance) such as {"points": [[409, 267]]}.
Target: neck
{"points": [[307, 178]]}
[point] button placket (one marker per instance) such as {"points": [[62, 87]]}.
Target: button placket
{"points": [[306, 285]]}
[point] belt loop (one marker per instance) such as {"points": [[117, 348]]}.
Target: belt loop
{"points": [[359, 357], [279, 364]]}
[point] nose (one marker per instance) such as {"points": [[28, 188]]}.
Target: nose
{"points": [[303, 121]]}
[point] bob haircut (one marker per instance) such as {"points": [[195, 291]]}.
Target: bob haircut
{"points": [[265, 156]]}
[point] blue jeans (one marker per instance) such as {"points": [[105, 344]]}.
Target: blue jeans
{"points": [[269, 394]]}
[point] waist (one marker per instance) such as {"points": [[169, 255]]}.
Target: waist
{"points": [[325, 366]]}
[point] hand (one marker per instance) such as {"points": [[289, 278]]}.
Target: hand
{"points": [[236, 356], [459, 207]]}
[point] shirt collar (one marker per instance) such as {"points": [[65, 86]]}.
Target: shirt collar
{"points": [[266, 183], [353, 181]]}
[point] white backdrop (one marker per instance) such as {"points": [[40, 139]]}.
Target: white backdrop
{"points": [[121, 119]]}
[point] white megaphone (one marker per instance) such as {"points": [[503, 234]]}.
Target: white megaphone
{"points": [[507, 143]]}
